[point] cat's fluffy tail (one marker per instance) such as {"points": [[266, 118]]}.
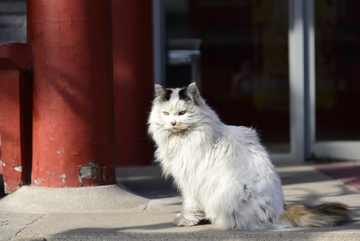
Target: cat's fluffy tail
{"points": [[323, 215]]}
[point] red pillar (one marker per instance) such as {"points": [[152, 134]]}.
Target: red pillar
{"points": [[15, 114], [133, 80], [14, 161], [73, 128]]}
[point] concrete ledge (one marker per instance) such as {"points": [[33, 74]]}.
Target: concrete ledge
{"points": [[32, 199], [231, 235], [155, 222], [130, 217]]}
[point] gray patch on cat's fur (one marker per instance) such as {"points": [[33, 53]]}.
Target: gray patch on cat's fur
{"points": [[183, 95], [167, 95], [190, 93]]}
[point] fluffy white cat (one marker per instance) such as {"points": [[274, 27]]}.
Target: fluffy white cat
{"points": [[223, 172]]}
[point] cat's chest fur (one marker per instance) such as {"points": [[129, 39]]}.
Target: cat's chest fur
{"points": [[191, 158], [182, 155]]}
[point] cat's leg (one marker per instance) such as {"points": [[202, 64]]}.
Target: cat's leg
{"points": [[190, 214]]}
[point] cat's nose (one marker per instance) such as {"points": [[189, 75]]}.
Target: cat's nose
{"points": [[173, 123]]}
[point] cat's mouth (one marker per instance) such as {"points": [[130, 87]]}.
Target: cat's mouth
{"points": [[176, 128]]}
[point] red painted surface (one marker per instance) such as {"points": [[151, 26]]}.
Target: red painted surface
{"points": [[133, 80], [72, 91], [347, 173], [15, 56], [15, 114], [13, 136]]}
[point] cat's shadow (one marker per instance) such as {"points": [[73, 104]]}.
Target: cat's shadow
{"points": [[147, 182], [204, 222]]}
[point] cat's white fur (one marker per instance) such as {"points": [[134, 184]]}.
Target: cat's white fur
{"points": [[223, 172]]}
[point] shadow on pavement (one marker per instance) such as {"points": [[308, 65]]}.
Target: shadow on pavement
{"points": [[146, 181]]}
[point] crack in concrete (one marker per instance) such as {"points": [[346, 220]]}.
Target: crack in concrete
{"points": [[29, 224], [145, 208]]}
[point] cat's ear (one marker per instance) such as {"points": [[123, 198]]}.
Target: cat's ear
{"points": [[193, 91], [160, 91], [190, 93]]}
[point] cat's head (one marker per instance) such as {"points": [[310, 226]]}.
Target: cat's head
{"points": [[177, 109]]}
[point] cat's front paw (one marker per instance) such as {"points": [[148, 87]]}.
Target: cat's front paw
{"points": [[181, 221]]}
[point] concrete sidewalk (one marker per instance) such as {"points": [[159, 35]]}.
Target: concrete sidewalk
{"points": [[151, 217]]}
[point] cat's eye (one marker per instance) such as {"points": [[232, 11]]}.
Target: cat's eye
{"points": [[182, 112], [166, 113]]}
